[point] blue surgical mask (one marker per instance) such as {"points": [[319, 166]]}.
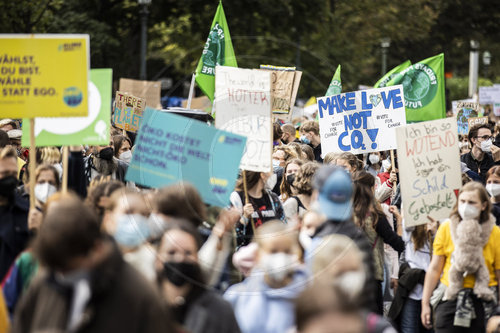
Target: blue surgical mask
{"points": [[131, 230], [305, 140]]}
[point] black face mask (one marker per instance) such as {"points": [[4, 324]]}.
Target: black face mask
{"points": [[106, 154], [181, 273], [290, 179], [8, 186]]}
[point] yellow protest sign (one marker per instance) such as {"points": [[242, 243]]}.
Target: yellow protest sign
{"points": [[43, 75]]}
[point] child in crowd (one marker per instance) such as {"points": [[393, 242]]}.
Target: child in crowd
{"points": [[263, 302]]}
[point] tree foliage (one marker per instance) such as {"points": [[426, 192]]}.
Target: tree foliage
{"points": [[314, 35]]}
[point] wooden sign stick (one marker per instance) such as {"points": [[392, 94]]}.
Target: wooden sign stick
{"points": [[32, 163]]}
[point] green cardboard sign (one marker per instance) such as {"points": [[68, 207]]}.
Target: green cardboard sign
{"points": [[91, 130]]}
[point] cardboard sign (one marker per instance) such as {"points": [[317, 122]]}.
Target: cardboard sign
{"points": [[466, 110], [44, 75], [149, 90], [171, 148], [454, 104], [361, 121], [477, 121], [128, 111], [429, 169], [243, 106], [90, 130], [199, 103], [489, 95]]}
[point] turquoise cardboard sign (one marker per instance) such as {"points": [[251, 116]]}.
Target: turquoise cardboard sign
{"points": [[171, 148]]}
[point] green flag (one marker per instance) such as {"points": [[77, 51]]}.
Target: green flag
{"points": [[218, 51], [391, 74], [335, 86], [423, 86]]}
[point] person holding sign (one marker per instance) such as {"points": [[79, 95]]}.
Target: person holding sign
{"points": [[261, 206], [467, 292], [484, 154], [369, 217]]}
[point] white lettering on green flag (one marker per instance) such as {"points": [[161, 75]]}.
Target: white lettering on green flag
{"points": [[391, 74], [218, 51], [335, 86], [423, 85]]}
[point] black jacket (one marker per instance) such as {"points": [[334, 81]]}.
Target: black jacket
{"points": [[408, 279], [480, 167], [14, 233]]}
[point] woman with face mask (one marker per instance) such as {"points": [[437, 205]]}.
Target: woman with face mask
{"points": [[374, 163], [47, 183], [258, 206], [468, 309], [286, 187], [298, 204], [122, 148], [194, 307], [493, 188]]}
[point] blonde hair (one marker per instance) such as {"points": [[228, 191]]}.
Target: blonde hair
{"points": [[331, 157], [7, 152], [49, 155]]}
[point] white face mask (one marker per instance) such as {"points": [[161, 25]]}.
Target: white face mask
{"points": [[486, 145], [126, 156], [271, 181], [276, 163], [493, 189], [374, 159], [304, 239], [386, 164], [351, 283], [44, 191], [278, 266], [468, 212]]}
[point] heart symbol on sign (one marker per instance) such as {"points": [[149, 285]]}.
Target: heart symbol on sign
{"points": [[375, 99]]}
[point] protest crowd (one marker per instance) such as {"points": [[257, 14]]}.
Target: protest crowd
{"points": [[371, 211]]}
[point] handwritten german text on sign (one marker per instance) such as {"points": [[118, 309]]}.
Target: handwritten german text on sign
{"points": [[128, 111], [171, 148], [429, 166], [361, 121], [243, 106], [44, 75]]}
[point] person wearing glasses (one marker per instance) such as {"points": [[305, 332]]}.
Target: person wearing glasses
{"points": [[483, 154]]}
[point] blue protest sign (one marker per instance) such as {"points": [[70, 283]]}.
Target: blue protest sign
{"points": [[361, 121], [171, 148]]}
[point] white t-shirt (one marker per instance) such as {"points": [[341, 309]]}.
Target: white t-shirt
{"points": [[416, 259]]}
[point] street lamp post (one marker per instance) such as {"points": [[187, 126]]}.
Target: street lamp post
{"points": [[384, 44], [486, 62], [473, 67], [144, 35]]}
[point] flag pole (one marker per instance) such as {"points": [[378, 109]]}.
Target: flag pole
{"points": [[32, 163], [245, 191], [393, 165], [65, 170], [191, 91]]}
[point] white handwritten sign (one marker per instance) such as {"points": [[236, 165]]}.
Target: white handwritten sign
{"points": [[243, 106], [429, 167], [361, 121]]}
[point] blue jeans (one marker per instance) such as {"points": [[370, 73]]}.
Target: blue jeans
{"points": [[410, 317]]}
